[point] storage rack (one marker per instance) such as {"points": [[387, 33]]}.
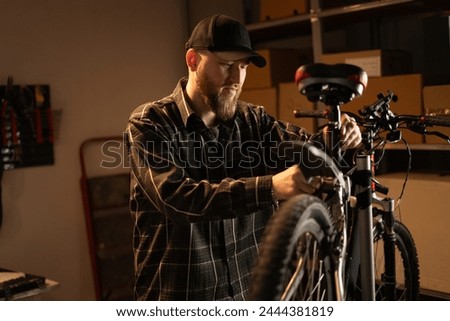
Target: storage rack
{"points": [[313, 22]]}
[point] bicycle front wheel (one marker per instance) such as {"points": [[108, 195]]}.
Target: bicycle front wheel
{"points": [[295, 261], [405, 265]]}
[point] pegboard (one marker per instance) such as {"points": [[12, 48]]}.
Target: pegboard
{"points": [[26, 126]]}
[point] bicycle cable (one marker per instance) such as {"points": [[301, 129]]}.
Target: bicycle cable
{"points": [[407, 174]]}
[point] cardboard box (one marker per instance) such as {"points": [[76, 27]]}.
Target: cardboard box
{"points": [[275, 9], [281, 67], [375, 62], [266, 97], [289, 100], [408, 88], [436, 101]]}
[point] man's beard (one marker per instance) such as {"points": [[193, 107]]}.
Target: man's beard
{"points": [[222, 104]]}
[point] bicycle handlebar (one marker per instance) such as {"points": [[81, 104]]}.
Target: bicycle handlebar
{"points": [[426, 120], [379, 116]]}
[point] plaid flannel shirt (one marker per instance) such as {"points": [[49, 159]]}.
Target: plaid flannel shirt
{"points": [[200, 198]]}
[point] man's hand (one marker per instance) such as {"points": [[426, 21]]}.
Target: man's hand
{"points": [[290, 182], [350, 133]]}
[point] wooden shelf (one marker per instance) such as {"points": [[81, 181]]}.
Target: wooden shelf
{"points": [[300, 25], [280, 29]]}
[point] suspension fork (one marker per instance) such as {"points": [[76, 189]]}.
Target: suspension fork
{"points": [[389, 275]]}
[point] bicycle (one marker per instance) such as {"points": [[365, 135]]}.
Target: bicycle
{"points": [[343, 242]]}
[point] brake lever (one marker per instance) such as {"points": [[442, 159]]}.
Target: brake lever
{"points": [[422, 129], [438, 134]]}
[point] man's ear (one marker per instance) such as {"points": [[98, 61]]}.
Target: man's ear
{"points": [[191, 59]]}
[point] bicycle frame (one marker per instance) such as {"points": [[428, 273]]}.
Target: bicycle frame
{"points": [[335, 87], [322, 246], [356, 257], [362, 182]]}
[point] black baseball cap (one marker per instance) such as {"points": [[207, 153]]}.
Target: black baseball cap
{"points": [[226, 37]]}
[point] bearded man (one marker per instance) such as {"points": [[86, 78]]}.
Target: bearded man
{"points": [[204, 177]]}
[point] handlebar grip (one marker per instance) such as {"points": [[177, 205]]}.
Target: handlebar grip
{"points": [[437, 120], [310, 113]]}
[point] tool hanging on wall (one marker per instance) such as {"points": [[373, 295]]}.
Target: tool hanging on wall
{"points": [[26, 128], [10, 140]]}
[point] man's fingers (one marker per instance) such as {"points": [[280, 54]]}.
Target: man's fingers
{"points": [[302, 184], [351, 135]]}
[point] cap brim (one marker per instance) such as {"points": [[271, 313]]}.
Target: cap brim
{"points": [[254, 57]]}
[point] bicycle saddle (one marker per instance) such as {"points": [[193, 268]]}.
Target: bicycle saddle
{"points": [[331, 84]]}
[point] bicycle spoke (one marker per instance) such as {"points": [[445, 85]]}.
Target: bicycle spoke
{"points": [[309, 268], [294, 281]]}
